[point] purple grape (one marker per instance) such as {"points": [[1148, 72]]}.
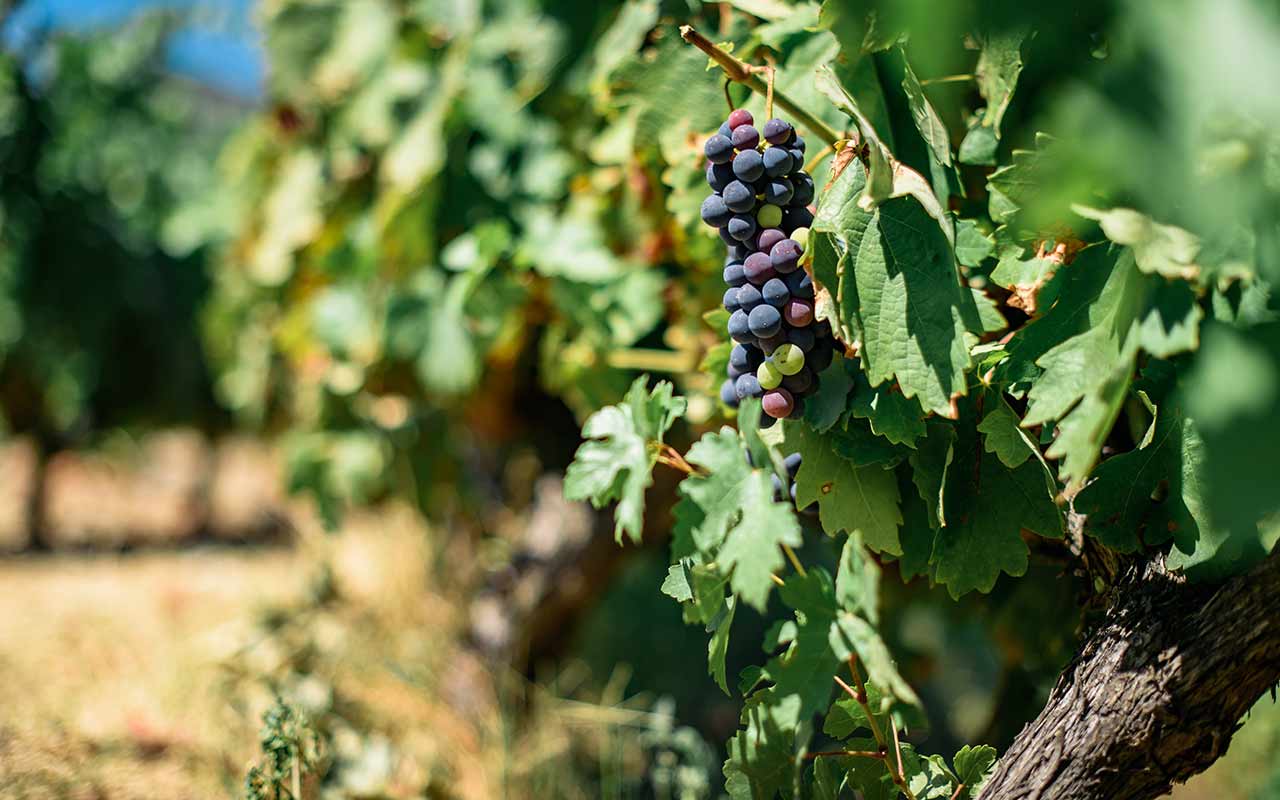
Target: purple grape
{"points": [[728, 394], [741, 358], [779, 491], [748, 165], [777, 131], [764, 321], [725, 130], [718, 149], [725, 237], [740, 327], [747, 386], [767, 238], [731, 300], [778, 191], [797, 143], [758, 268], [800, 284], [738, 251], [741, 226], [804, 189], [768, 344], [802, 338], [792, 464], [799, 383], [794, 218], [739, 197], [778, 403], [748, 297], [740, 116], [719, 175], [777, 162], [733, 275], [745, 137], [798, 313], [775, 293], [714, 211], [785, 256]]}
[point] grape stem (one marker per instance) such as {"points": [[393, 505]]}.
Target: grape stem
{"points": [[745, 74], [859, 696]]}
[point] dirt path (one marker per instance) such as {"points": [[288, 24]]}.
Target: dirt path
{"points": [[109, 676]]}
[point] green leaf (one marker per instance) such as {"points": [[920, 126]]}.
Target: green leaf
{"points": [[824, 407], [752, 547], [986, 507], [676, 584], [926, 119], [891, 414], [718, 493], [1014, 187], [1160, 249], [847, 715], [973, 767], [858, 580], [929, 467], [1233, 394], [928, 776], [853, 634], [972, 245], [856, 499], [1085, 349], [617, 462], [915, 316], [999, 64], [1003, 436], [718, 647]]}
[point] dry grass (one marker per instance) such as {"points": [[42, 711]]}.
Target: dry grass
{"points": [[108, 671]]}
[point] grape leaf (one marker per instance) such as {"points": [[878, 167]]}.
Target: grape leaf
{"points": [[929, 467], [752, 547], [718, 647], [853, 634], [719, 492], [973, 767], [854, 499], [858, 580], [999, 64], [1161, 249], [915, 317], [1233, 394], [1003, 436], [824, 407], [891, 414], [1014, 186], [1086, 374], [926, 119], [676, 584], [616, 463], [928, 776], [986, 507], [972, 245]]}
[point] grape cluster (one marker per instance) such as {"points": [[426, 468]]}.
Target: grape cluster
{"points": [[760, 203]]}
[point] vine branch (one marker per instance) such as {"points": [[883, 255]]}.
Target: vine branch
{"points": [[745, 74]]}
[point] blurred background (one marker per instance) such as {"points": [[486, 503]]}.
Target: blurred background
{"points": [[302, 303]]}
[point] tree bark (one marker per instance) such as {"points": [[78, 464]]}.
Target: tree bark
{"points": [[1156, 691]]}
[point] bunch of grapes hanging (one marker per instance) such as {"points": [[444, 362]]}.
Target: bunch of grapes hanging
{"points": [[761, 206]]}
